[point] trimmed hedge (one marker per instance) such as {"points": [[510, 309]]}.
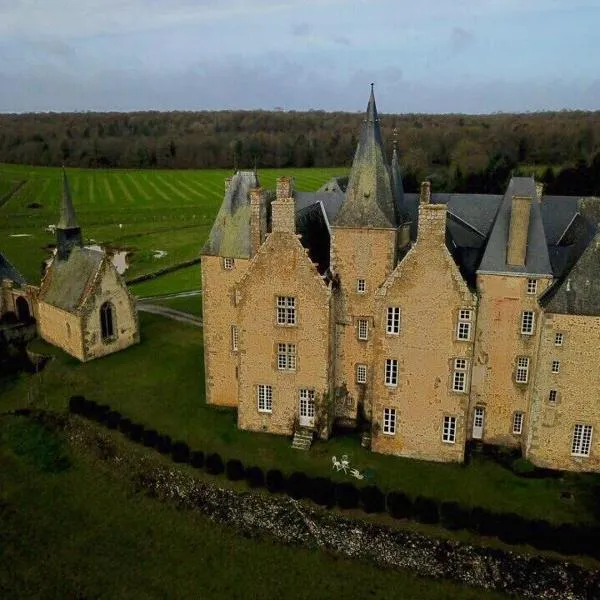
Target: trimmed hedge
{"points": [[346, 495], [214, 464], [297, 485], [197, 459], [113, 418], [275, 481], [150, 438], [135, 432], [322, 491], [164, 444], [399, 505], [255, 477], [234, 470], [180, 452], [372, 499], [426, 510], [453, 516]]}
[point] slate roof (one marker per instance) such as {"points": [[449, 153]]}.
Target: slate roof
{"points": [[313, 227], [67, 282], [230, 233], [397, 187], [369, 200], [331, 201], [67, 212], [557, 213], [8, 271], [578, 291], [537, 260]]}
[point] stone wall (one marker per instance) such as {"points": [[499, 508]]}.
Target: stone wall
{"points": [[429, 290], [61, 329], [577, 396]]}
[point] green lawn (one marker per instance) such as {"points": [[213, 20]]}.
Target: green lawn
{"points": [[138, 211], [81, 533], [189, 304], [168, 395], [182, 280]]}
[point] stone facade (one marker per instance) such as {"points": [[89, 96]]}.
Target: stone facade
{"points": [[62, 329]]}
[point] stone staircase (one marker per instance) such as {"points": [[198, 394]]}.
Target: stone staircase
{"points": [[303, 439]]}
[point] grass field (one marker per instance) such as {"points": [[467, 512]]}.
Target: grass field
{"points": [[168, 395], [138, 211], [81, 533]]}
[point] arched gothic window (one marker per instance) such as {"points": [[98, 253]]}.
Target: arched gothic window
{"points": [[107, 322]]}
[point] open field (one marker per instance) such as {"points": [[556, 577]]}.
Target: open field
{"points": [[94, 538], [138, 211], [168, 394]]}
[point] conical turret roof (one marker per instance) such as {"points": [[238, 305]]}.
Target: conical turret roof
{"points": [[369, 200]]}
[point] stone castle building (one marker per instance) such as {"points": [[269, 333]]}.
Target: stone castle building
{"points": [[423, 320], [83, 306]]}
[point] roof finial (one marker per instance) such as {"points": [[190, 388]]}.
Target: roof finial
{"points": [[372, 87]]}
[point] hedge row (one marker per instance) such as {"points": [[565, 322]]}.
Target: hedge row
{"points": [[510, 528]]}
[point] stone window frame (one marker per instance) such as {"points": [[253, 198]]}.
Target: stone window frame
{"points": [[112, 336], [389, 421], [555, 366], [522, 370], [581, 441], [552, 397], [532, 287], [464, 325], [449, 426], [393, 320], [361, 286], [361, 373], [264, 398], [235, 338], [517, 422], [528, 322], [559, 338], [362, 329], [390, 378], [287, 356], [228, 263], [460, 371], [286, 311]]}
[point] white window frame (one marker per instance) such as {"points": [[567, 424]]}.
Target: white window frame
{"points": [[463, 328], [517, 426], [389, 421], [559, 338], [391, 372], [532, 287], [362, 329], [581, 442], [393, 320], [449, 430], [527, 322], [555, 366], [264, 397], [459, 375], [235, 338], [286, 356], [553, 397], [228, 263], [361, 373], [361, 286], [286, 311], [522, 371]]}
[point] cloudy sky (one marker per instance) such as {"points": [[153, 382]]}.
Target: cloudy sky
{"points": [[474, 56]]}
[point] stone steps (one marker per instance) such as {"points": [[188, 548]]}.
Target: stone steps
{"points": [[302, 440]]}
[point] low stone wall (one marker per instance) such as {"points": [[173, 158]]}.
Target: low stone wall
{"points": [[163, 271], [301, 524]]}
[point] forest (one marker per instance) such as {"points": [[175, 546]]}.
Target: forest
{"points": [[466, 153]]}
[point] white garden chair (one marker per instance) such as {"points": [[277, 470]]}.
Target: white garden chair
{"points": [[337, 465]]}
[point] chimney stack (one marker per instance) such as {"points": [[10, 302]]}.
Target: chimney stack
{"points": [[425, 197], [518, 233], [258, 219]]}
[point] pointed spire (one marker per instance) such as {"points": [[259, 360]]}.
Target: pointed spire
{"points": [[397, 186], [67, 212], [369, 200]]}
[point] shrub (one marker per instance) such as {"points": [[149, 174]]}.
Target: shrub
{"points": [[512, 529], [124, 425], [214, 464], [322, 491], [399, 505], [88, 408], [113, 418], [453, 515], [180, 452], [99, 412], [426, 510], [346, 495], [197, 459], [522, 467], [372, 499], [297, 485], [234, 469], [77, 404], [255, 477], [541, 535], [164, 444], [275, 481], [135, 432], [150, 438], [483, 522]]}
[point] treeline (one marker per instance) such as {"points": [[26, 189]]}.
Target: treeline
{"points": [[458, 152]]}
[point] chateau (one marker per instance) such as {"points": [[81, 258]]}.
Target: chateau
{"points": [[424, 320]]}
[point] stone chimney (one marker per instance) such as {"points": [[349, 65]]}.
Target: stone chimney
{"points": [[227, 183], [520, 213], [283, 210], [432, 218], [539, 190], [425, 197], [258, 219], [285, 187]]}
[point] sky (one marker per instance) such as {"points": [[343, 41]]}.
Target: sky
{"points": [[425, 56]]}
